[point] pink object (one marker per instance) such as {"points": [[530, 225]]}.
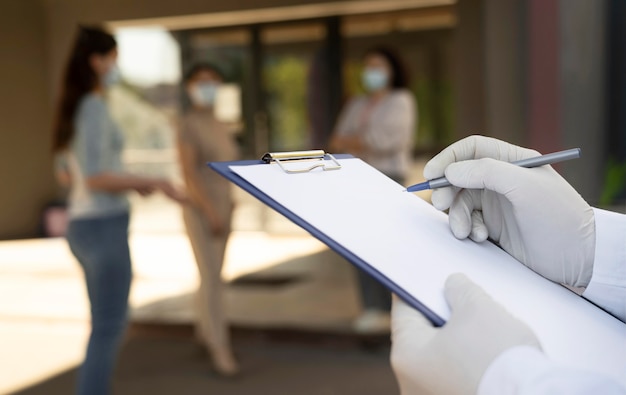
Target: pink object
{"points": [[55, 222]]}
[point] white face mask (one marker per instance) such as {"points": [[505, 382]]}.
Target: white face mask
{"points": [[374, 79], [111, 77], [203, 94]]}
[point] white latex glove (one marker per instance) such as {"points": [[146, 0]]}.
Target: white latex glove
{"points": [[452, 359], [533, 214]]}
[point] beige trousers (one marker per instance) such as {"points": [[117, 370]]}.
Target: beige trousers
{"points": [[212, 323]]}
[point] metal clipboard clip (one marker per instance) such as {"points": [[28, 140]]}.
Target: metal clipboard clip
{"points": [[318, 156]]}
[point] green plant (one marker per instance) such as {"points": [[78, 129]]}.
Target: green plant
{"points": [[614, 182]]}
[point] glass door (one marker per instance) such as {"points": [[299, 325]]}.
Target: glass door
{"points": [[295, 93]]}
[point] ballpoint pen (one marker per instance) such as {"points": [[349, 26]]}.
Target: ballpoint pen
{"points": [[537, 161]]}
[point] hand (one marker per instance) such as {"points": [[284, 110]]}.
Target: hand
{"points": [[64, 178], [533, 214], [171, 191], [144, 191], [452, 359], [351, 144]]}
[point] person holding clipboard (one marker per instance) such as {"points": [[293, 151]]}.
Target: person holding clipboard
{"points": [[538, 218]]}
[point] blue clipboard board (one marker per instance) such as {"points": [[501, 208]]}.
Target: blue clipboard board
{"points": [[223, 168]]}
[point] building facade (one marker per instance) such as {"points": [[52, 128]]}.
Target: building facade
{"points": [[541, 73]]}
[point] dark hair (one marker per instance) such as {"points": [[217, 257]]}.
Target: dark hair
{"points": [[400, 78], [202, 66], [78, 80]]}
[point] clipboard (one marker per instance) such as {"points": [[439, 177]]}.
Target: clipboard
{"points": [[328, 162], [572, 331]]}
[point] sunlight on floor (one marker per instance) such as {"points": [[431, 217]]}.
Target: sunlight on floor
{"points": [[44, 310]]}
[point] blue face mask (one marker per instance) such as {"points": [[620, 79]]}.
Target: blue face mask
{"points": [[374, 79], [111, 78], [203, 94]]}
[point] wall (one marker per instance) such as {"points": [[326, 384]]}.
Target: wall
{"points": [[533, 72], [505, 74], [469, 71], [25, 171], [490, 73], [584, 117]]}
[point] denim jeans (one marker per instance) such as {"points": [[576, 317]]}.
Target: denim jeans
{"points": [[101, 247]]}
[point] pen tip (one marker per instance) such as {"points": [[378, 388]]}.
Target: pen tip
{"points": [[418, 187]]}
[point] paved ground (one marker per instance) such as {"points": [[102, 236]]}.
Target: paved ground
{"points": [[272, 363]]}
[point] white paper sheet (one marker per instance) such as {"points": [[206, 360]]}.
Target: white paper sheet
{"points": [[410, 242]]}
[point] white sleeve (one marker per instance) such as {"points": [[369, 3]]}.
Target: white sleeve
{"points": [[525, 370], [607, 287]]}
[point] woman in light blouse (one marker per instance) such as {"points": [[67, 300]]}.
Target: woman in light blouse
{"points": [[379, 128]]}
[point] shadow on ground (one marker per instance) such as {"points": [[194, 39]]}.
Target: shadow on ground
{"points": [[165, 360], [315, 291]]}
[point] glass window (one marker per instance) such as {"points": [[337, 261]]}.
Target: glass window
{"points": [[290, 54]]}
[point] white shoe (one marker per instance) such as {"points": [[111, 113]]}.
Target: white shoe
{"points": [[373, 321]]}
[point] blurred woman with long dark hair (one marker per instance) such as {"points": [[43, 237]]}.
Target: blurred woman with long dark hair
{"points": [[89, 142]]}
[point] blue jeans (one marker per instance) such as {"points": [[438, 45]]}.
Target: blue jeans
{"points": [[101, 247]]}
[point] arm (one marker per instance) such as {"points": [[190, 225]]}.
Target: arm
{"points": [[63, 177], [94, 156], [61, 171], [451, 360], [535, 215], [113, 182], [487, 195], [482, 349], [345, 137], [120, 182], [607, 287], [524, 370], [393, 129], [198, 195]]}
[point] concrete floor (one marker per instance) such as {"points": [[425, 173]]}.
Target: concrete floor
{"points": [[271, 364]]}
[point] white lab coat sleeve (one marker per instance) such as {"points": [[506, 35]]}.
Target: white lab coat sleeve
{"points": [[607, 287], [525, 370]]}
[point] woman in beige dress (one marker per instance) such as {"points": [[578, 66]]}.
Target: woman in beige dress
{"points": [[201, 139]]}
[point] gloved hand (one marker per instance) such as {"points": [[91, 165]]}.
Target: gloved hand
{"points": [[452, 359], [533, 214]]}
